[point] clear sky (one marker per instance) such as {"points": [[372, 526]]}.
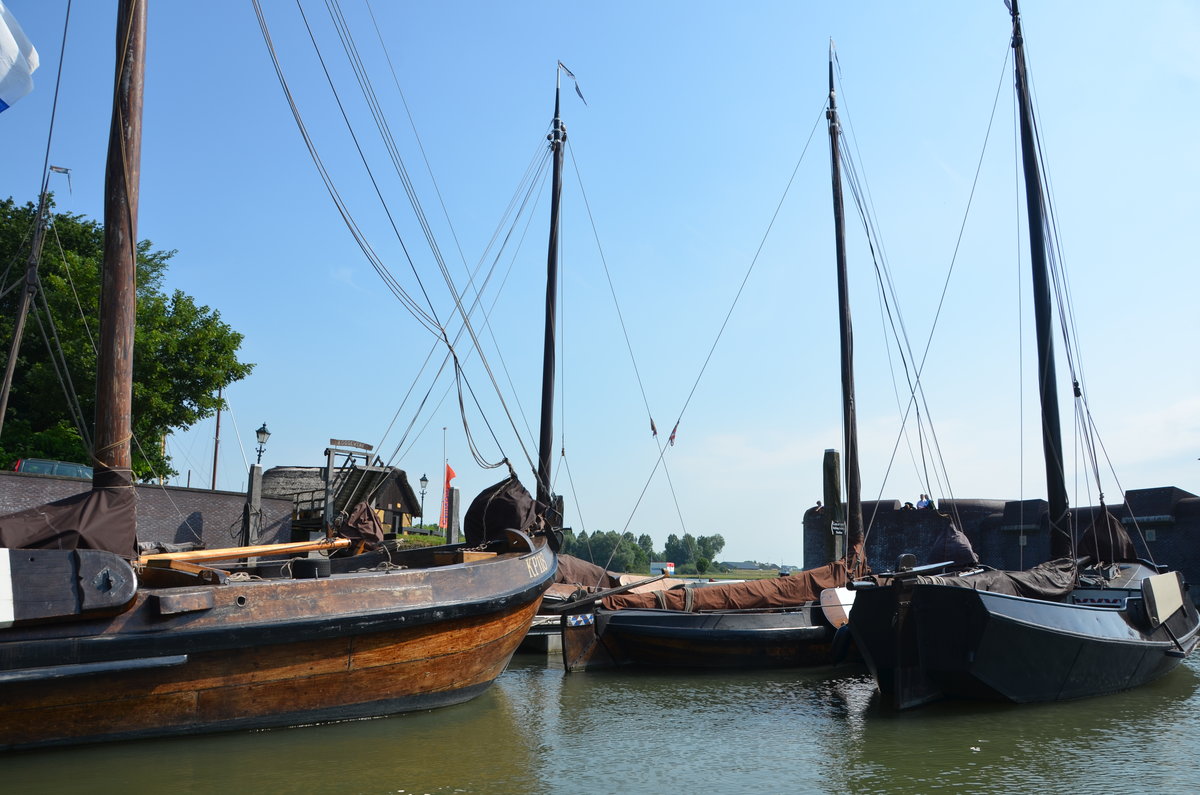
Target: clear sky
{"points": [[697, 116]]}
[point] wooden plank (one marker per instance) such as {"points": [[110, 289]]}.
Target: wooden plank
{"points": [[174, 602], [58, 672], [439, 640], [403, 678], [167, 573]]}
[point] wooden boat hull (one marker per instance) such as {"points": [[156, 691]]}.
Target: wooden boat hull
{"points": [[928, 642], [675, 639], [271, 653]]}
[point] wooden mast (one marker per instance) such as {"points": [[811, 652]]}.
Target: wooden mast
{"points": [[1056, 491], [854, 518], [118, 297], [557, 137]]}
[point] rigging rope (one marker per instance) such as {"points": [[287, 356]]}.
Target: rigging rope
{"points": [[886, 287], [625, 333], [429, 319], [733, 305]]}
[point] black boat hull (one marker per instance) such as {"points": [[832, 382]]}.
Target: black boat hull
{"points": [[676, 639], [925, 642]]}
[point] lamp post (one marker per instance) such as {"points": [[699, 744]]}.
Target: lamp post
{"points": [[263, 434], [424, 483]]}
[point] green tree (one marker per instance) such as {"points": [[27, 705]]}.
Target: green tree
{"points": [[611, 550], [183, 353], [673, 550], [703, 565], [710, 546]]}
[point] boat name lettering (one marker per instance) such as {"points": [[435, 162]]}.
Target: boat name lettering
{"points": [[536, 565]]}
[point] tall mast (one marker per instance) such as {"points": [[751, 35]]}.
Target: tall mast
{"points": [[557, 137], [1056, 490], [854, 519], [114, 424]]}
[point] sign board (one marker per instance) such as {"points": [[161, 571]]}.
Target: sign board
{"points": [[350, 443]]}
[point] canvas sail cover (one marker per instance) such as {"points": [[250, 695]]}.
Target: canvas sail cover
{"points": [[363, 525], [103, 518], [576, 571], [1106, 540], [952, 545], [1049, 581], [506, 505], [791, 591]]}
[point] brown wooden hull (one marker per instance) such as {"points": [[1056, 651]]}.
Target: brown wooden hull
{"points": [[270, 653]]}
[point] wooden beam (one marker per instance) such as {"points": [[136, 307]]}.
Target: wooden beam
{"points": [[231, 553]]}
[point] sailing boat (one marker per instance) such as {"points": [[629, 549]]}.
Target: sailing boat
{"points": [[783, 622], [93, 647], [1092, 621]]}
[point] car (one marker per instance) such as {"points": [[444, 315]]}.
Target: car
{"points": [[42, 466]]}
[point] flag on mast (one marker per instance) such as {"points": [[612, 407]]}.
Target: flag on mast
{"points": [[444, 520], [18, 60], [571, 75]]}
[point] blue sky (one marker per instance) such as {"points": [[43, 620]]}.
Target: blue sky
{"points": [[698, 113]]}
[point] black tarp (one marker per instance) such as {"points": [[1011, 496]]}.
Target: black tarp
{"points": [[506, 505], [103, 518], [1049, 581], [1106, 541], [952, 545]]}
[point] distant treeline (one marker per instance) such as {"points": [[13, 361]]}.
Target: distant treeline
{"points": [[628, 553]]}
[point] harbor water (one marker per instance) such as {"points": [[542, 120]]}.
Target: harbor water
{"points": [[542, 731]]}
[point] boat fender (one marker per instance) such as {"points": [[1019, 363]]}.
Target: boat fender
{"points": [[309, 568], [841, 643]]}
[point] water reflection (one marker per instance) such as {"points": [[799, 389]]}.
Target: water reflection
{"points": [[540, 731], [1140, 738]]}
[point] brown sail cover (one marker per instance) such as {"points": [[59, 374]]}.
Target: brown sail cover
{"points": [[1106, 540], [363, 525], [1049, 581], [791, 591], [576, 571], [103, 518], [498, 508]]}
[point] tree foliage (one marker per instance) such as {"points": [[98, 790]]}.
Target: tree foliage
{"points": [[183, 353], [633, 554], [611, 550], [687, 550]]}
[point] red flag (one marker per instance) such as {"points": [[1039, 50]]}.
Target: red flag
{"points": [[671, 441], [444, 519], [653, 429]]}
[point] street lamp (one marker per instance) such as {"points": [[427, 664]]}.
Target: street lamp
{"points": [[424, 483], [263, 434]]}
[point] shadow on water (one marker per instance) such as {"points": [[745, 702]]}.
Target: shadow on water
{"points": [[540, 731]]}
